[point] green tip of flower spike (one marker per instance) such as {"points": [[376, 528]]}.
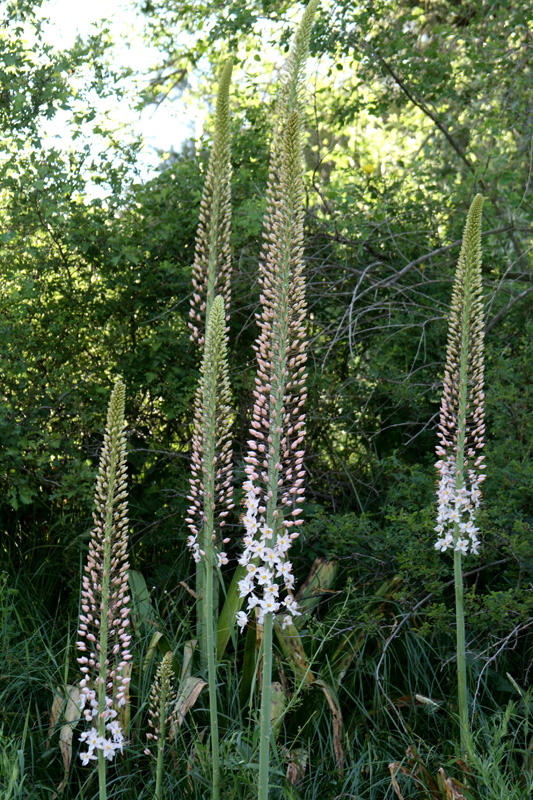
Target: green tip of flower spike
{"points": [[216, 325], [222, 113], [115, 411], [212, 260], [294, 67], [471, 247]]}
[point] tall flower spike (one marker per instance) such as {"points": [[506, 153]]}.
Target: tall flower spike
{"points": [[211, 492], [211, 499], [462, 427], [274, 465], [212, 260], [161, 698], [104, 637]]}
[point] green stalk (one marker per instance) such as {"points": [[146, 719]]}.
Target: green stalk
{"points": [[210, 405], [462, 692], [166, 669], [214, 394], [106, 574], [265, 732]]}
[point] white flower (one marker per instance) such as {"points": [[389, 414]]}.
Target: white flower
{"points": [[196, 553], [251, 524], [114, 728], [245, 587], [258, 548], [242, 620], [93, 740], [264, 576], [269, 605], [108, 749], [270, 557], [284, 569], [462, 545], [90, 755], [283, 543], [289, 581], [292, 606], [251, 502]]}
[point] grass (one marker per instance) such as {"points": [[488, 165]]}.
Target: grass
{"points": [[37, 657]]}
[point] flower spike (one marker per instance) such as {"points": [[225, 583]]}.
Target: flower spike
{"points": [[462, 426], [274, 464], [162, 696], [104, 637], [212, 259], [211, 491], [211, 498]]}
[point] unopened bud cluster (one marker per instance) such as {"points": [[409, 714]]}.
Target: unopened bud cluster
{"points": [[211, 494], [212, 259], [162, 697]]}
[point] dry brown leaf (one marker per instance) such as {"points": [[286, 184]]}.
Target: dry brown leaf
{"points": [[422, 772], [66, 706], [187, 697], [453, 789], [337, 723], [393, 769], [297, 765]]}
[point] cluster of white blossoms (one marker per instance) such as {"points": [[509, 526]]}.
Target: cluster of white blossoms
{"points": [[197, 553], [457, 507], [94, 742], [265, 565]]}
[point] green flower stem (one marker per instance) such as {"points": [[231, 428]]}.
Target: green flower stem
{"points": [[211, 671], [214, 362], [468, 314], [115, 433], [462, 691], [265, 732], [162, 733]]}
